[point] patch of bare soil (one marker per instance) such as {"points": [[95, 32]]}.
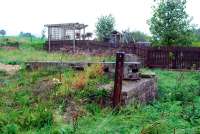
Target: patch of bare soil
{"points": [[44, 87], [9, 69], [9, 47], [73, 111]]}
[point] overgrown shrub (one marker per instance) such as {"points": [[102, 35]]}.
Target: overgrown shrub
{"points": [[80, 81], [11, 129], [35, 118], [95, 70]]}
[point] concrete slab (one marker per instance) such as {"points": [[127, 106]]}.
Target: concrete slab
{"points": [[143, 90]]}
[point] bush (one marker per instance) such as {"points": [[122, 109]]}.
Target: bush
{"points": [[11, 129], [155, 128], [95, 71], [80, 81], [93, 108], [37, 118]]}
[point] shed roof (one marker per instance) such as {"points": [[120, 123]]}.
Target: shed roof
{"points": [[69, 26]]}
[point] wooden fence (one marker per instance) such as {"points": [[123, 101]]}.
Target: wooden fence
{"points": [[162, 57], [170, 57]]}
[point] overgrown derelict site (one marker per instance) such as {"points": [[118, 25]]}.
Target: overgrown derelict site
{"points": [[70, 81]]}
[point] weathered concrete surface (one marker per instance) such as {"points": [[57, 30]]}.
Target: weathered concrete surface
{"points": [[108, 66], [143, 90]]}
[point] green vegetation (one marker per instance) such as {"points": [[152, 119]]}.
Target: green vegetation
{"points": [[177, 109], [28, 108], [135, 36], [2, 32], [28, 42], [34, 101], [105, 25], [170, 24], [31, 50], [140, 36], [196, 44], [64, 101]]}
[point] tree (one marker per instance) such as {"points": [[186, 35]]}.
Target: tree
{"points": [[170, 24], [43, 34], [27, 35], [140, 36], [134, 36], [104, 27], [23, 34], [197, 34], [127, 37], [2, 32]]}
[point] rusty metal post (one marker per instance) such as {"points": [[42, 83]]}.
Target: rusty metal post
{"points": [[119, 69]]}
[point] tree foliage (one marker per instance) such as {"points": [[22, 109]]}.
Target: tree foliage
{"points": [[24, 34], [170, 24], [128, 37], [134, 36], [140, 36], [197, 34], [104, 27], [43, 33], [2, 32]]}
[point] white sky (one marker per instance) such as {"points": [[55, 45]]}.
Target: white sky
{"points": [[31, 15]]}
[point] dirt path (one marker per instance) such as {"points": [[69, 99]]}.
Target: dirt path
{"points": [[10, 69]]}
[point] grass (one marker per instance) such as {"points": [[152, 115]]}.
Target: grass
{"points": [[196, 44], [24, 54], [24, 108], [34, 102], [32, 51], [176, 108]]}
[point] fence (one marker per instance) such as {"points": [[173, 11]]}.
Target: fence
{"points": [[89, 47], [162, 57], [170, 57]]}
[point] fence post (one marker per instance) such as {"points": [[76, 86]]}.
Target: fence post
{"points": [[119, 69], [148, 59]]}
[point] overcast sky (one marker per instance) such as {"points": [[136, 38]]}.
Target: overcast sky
{"points": [[31, 15]]}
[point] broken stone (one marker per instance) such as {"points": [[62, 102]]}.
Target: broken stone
{"points": [[143, 90]]}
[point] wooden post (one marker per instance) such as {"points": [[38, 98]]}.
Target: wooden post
{"points": [[84, 34], [74, 41], [119, 69], [49, 38]]}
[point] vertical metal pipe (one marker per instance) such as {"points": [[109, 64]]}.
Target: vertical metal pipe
{"points": [[119, 69]]}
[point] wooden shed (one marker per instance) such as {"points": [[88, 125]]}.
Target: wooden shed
{"points": [[65, 31]]}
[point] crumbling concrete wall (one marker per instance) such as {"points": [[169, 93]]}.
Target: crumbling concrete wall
{"points": [[144, 90]]}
